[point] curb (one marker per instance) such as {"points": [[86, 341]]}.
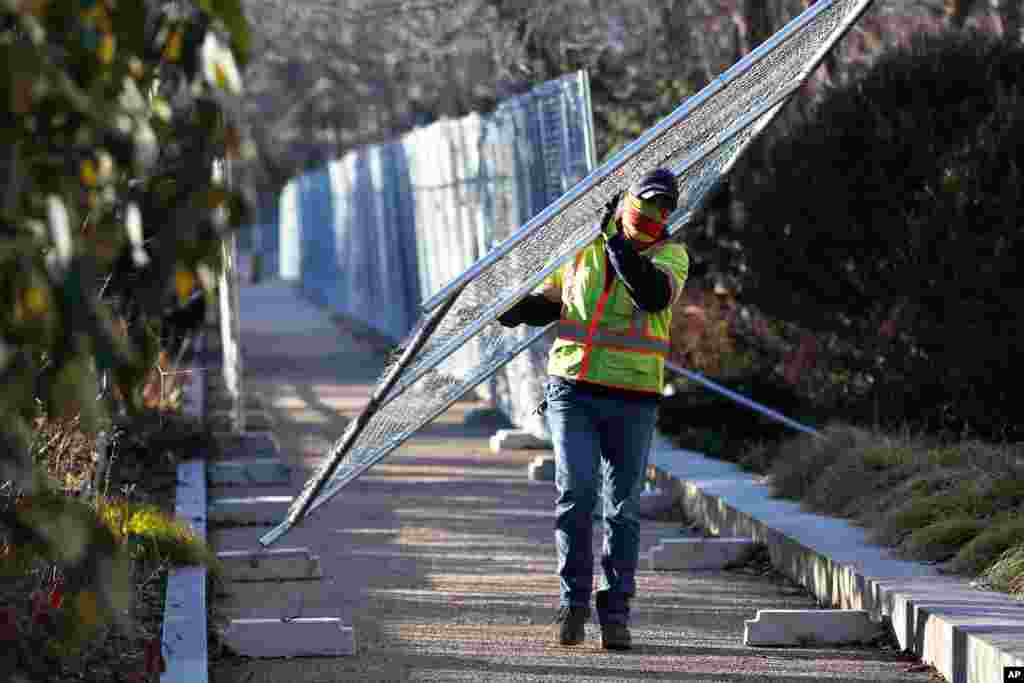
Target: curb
{"points": [[968, 635], [183, 641]]}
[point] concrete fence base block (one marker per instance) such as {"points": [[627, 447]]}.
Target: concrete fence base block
{"points": [[655, 502], [516, 440], [300, 637], [265, 510], [278, 564], [223, 420], [542, 468], [248, 444], [698, 553], [252, 403], [248, 472], [807, 628], [486, 417]]}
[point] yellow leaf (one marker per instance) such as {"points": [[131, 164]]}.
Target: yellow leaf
{"points": [[107, 46], [184, 283], [215, 198], [87, 608], [36, 300], [87, 173], [172, 50], [220, 77]]}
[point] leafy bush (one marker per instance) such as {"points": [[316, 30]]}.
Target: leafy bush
{"points": [[942, 539], [116, 117], [1001, 534], [910, 241]]}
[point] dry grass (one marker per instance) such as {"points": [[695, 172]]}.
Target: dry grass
{"points": [[1007, 573], [805, 459], [65, 452], [955, 503], [999, 538]]}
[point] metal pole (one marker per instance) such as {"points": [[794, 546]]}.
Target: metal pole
{"points": [[740, 398]]}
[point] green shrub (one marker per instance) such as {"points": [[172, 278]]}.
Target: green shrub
{"points": [[987, 547], [914, 514], [112, 117], [942, 539], [909, 244], [957, 495]]}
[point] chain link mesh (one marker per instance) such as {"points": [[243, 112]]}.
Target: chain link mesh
{"points": [[469, 345]]}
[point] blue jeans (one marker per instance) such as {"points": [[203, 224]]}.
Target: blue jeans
{"points": [[600, 442]]}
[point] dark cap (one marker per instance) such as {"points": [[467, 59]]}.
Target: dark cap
{"points": [[659, 181]]}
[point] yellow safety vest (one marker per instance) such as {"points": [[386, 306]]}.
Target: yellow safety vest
{"points": [[602, 336]]}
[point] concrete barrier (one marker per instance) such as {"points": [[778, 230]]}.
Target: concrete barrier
{"points": [[299, 637], [261, 510], [276, 564], [516, 440], [968, 635], [248, 472], [810, 627], [698, 553]]}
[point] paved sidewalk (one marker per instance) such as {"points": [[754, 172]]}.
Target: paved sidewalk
{"points": [[442, 556]]}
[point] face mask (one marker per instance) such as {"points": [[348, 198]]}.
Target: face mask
{"points": [[642, 220]]}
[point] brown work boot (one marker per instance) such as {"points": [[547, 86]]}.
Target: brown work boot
{"points": [[571, 623], [615, 637]]}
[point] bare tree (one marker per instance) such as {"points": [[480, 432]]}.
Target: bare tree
{"points": [[330, 75]]}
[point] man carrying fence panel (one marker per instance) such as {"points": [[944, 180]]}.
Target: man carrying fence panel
{"points": [[606, 369]]}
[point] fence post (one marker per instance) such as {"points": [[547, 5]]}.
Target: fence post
{"points": [[231, 351]]}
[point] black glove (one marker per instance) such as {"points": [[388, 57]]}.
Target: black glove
{"points": [[533, 309], [512, 317], [608, 226]]}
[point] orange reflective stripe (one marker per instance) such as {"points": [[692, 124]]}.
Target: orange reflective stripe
{"points": [[608, 339], [588, 345]]}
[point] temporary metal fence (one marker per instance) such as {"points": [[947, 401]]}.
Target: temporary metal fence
{"points": [[369, 235], [700, 142]]}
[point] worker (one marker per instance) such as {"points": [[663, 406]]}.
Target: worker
{"points": [[606, 368]]}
